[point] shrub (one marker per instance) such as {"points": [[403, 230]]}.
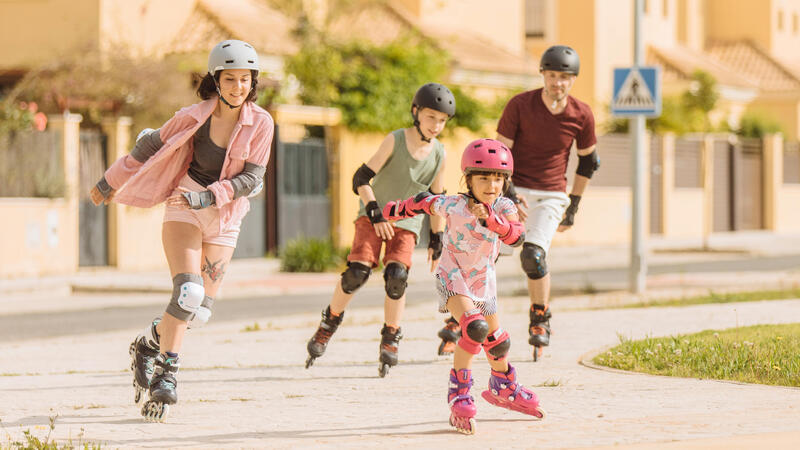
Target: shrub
{"points": [[757, 125], [373, 85], [310, 255]]}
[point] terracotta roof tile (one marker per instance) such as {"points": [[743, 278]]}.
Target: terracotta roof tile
{"points": [[679, 63], [755, 64]]}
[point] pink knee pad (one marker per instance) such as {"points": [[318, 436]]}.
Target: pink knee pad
{"points": [[474, 329], [497, 344]]}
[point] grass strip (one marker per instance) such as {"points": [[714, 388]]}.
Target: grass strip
{"points": [[763, 354]]}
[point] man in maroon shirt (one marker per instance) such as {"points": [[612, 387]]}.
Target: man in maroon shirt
{"points": [[539, 127]]}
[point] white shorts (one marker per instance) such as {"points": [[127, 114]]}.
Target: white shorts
{"points": [[545, 211]]}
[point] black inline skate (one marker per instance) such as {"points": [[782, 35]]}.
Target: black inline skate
{"points": [[449, 335], [143, 351], [390, 340], [539, 329], [327, 326], [162, 389]]}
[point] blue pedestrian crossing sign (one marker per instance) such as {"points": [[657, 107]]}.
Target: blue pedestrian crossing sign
{"points": [[637, 91]]}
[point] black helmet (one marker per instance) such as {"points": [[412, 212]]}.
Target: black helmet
{"points": [[560, 58], [435, 96]]}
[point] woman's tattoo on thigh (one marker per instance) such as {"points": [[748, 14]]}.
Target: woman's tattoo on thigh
{"points": [[214, 270]]}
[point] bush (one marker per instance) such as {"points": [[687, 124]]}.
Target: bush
{"points": [[757, 125], [374, 85], [310, 255]]}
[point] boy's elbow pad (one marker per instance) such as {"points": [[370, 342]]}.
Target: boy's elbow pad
{"points": [[362, 177]]}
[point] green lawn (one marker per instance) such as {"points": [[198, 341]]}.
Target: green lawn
{"points": [[765, 354], [713, 297]]}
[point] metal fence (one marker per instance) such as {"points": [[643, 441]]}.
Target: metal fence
{"points": [[32, 164]]}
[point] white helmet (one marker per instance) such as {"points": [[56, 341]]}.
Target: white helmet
{"points": [[232, 54]]}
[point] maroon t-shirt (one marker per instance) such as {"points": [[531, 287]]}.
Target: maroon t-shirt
{"points": [[542, 140]]}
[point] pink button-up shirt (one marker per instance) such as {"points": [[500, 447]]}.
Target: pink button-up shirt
{"points": [[146, 185]]}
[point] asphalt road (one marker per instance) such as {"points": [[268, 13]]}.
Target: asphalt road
{"points": [[19, 327]]}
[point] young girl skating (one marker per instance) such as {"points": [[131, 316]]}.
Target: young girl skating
{"points": [[476, 223]]}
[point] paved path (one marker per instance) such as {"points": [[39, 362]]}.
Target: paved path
{"points": [[249, 389]]}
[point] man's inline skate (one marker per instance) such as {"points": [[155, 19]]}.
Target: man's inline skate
{"points": [[143, 350], [539, 329], [505, 392], [462, 405], [390, 340], [162, 389], [319, 342], [449, 335]]}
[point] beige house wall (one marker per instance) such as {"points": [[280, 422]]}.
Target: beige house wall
{"points": [[143, 27], [46, 230], [788, 217], [34, 31], [502, 23], [690, 24], [739, 19], [602, 208], [785, 39]]}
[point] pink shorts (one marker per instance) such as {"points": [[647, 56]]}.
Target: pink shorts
{"points": [[206, 219]]}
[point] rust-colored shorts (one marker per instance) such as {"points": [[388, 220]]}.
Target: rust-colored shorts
{"points": [[367, 245]]}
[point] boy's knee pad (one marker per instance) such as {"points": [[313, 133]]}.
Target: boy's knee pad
{"points": [[534, 261], [395, 275], [187, 295], [354, 277], [203, 313], [497, 344], [474, 329]]}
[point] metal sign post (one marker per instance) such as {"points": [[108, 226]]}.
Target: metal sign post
{"points": [[637, 93]]}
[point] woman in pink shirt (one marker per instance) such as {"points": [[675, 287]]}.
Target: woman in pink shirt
{"points": [[203, 163], [476, 223]]}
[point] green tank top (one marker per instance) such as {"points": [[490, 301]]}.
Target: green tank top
{"points": [[402, 177]]}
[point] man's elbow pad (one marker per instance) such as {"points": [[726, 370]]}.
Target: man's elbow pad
{"points": [[588, 164], [362, 177]]}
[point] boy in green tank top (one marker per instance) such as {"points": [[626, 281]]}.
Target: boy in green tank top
{"points": [[408, 161]]}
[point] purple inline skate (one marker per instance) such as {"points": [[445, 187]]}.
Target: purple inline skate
{"points": [[505, 392], [462, 405]]}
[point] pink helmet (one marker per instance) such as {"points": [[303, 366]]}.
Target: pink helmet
{"points": [[487, 155]]}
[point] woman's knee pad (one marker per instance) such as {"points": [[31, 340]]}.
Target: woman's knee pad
{"points": [[187, 295], [534, 262], [203, 313], [474, 330], [497, 344], [396, 276]]}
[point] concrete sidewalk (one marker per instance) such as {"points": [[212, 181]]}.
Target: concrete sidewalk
{"points": [[247, 389], [250, 389]]}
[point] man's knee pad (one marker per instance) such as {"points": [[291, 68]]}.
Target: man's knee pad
{"points": [[533, 261], [354, 277], [187, 295], [395, 276], [202, 314], [474, 330], [497, 344]]}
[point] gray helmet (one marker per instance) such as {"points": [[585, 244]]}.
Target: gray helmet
{"points": [[560, 58], [232, 54], [435, 96]]}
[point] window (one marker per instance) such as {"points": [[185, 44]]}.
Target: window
{"points": [[794, 23], [665, 8], [534, 18], [646, 6], [780, 20]]}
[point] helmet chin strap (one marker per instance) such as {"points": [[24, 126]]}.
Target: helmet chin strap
{"points": [[421, 135], [223, 98]]}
